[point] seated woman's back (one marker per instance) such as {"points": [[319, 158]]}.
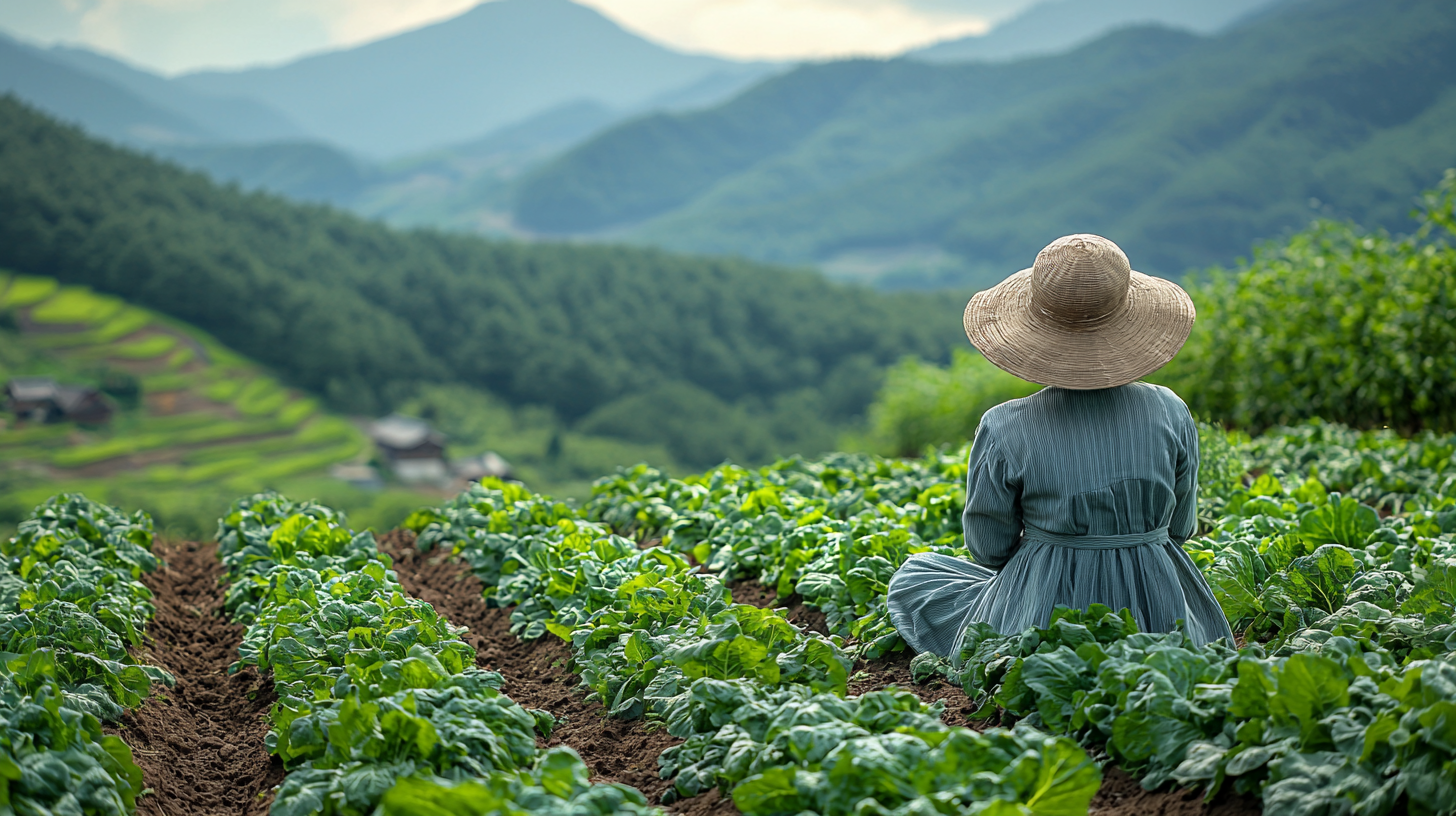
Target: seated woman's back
{"points": [[1106, 462], [1084, 492], [1072, 498]]}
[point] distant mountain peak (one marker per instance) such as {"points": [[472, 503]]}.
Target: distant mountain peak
{"points": [[491, 66], [1052, 26]]}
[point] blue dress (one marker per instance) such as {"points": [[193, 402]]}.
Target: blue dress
{"points": [[1073, 498]]}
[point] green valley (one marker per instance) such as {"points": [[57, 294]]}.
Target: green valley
{"points": [[1187, 149], [307, 514]]}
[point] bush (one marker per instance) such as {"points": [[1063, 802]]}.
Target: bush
{"points": [[923, 404], [1354, 327], [699, 429]]}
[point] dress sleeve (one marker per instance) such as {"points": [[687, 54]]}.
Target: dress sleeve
{"points": [[992, 518], [1185, 486]]}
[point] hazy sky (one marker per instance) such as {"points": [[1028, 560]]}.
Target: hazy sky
{"points": [[179, 35]]}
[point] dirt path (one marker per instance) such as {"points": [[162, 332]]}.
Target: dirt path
{"points": [[200, 745]]}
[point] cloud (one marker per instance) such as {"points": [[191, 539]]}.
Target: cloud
{"points": [[44, 20], [351, 22], [791, 29], [178, 35]]}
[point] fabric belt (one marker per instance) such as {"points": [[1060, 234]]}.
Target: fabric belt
{"points": [[1096, 542]]}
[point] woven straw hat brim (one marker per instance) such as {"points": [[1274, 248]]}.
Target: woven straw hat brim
{"points": [[1140, 338]]}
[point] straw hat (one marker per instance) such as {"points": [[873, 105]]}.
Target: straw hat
{"points": [[1080, 318]]}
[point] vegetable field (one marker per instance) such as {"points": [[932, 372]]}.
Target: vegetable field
{"points": [[721, 643]]}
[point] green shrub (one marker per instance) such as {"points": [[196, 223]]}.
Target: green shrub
{"points": [[923, 404], [1353, 327]]}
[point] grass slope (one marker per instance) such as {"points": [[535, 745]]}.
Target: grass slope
{"points": [[198, 424]]}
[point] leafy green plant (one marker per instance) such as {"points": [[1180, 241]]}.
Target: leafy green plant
{"points": [[790, 750], [557, 786], [56, 759], [1362, 580]]}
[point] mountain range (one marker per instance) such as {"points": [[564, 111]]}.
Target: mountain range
{"points": [[493, 66], [1183, 148], [712, 357], [1061, 25], [497, 65], [500, 66], [1232, 122]]}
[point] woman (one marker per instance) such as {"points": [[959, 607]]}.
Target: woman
{"points": [[1083, 492]]}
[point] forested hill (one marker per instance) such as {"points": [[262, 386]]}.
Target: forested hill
{"points": [[1185, 149], [359, 312]]}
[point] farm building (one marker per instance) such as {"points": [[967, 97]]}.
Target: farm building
{"points": [[42, 399], [413, 450], [490, 463]]}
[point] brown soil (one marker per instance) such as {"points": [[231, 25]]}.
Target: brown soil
{"points": [[755, 594], [1121, 795], [894, 670], [186, 401], [200, 744]]}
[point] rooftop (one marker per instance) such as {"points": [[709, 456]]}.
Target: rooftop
{"points": [[402, 432]]}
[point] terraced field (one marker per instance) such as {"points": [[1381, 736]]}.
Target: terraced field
{"points": [[205, 422]]}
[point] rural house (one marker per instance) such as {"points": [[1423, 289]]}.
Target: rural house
{"points": [[413, 450], [475, 468], [41, 399]]}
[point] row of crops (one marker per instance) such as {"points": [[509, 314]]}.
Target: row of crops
{"points": [[71, 603], [381, 708], [1330, 550]]}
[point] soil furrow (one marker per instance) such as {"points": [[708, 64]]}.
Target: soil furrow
{"points": [[1121, 795], [537, 674], [200, 744]]}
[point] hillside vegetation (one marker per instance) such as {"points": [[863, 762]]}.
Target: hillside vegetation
{"points": [[1337, 322], [361, 314], [1186, 149], [194, 422]]}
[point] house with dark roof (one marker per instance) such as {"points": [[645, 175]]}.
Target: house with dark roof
{"points": [[42, 399], [413, 450]]}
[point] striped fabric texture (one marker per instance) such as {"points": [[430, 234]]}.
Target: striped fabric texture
{"points": [[1072, 498]]}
